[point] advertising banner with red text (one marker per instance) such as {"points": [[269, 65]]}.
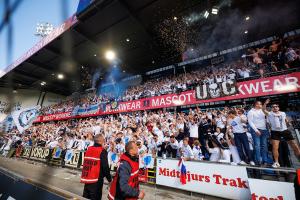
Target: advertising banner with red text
{"points": [[276, 190], [254, 88], [220, 180]]}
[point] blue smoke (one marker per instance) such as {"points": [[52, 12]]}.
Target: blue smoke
{"points": [[112, 84]]}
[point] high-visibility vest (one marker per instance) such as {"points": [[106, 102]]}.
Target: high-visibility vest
{"points": [[91, 165], [133, 180]]}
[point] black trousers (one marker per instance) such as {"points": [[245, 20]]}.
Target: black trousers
{"points": [[93, 191]]}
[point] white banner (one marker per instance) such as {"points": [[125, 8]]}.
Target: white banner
{"points": [[146, 161], [263, 189], [207, 178], [23, 118]]}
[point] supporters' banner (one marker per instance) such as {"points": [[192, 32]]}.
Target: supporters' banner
{"points": [[113, 158], [26, 152], [92, 109], [56, 153], [72, 158], [216, 90], [39, 153], [263, 189], [146, 161], [53, 117], [260, 87], [224, 181], [24, 118]]}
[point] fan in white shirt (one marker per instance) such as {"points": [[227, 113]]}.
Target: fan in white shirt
{"points": [[186, 151], [278, 122]]}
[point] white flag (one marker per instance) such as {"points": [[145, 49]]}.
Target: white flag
{"points": [[24, 118]]}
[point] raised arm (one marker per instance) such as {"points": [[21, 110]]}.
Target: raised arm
{"points": [[264, 108]]}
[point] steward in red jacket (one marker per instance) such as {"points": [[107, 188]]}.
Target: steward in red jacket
{"points": [[95, 168], [125, 185]]}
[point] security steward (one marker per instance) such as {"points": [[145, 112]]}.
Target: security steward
{"points": [[95, 168], [125, 185]]}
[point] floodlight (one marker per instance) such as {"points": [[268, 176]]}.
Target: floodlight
{"points": [[214, 11], [60, 76], [206, 14], [110, 55]]}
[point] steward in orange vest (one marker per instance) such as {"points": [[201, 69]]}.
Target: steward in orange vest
{"points": [[95, 168], [125, 185]]}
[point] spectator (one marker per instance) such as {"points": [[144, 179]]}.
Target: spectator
{"points": [[279, 122], [259, 132]]}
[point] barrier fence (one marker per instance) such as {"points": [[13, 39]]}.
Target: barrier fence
{"points": [[215, 179]]}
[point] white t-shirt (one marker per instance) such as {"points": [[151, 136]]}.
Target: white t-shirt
{"points": [[174, 145], [53, 144], [219, 122], [197, 153], [256, 119], [277, 121], [237, 125], [187, 151], [193, 130], [96, 129], [214, 154], [225, 156]]}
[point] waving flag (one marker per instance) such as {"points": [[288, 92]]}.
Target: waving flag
{"points": [[182, 170], [23, 118]]}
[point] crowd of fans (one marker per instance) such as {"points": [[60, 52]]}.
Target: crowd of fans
{"points": [[281, 54], [230, 135]]}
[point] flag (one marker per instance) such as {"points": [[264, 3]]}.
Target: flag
{"points": [[182, 169], [23, 118], [69, 155]]}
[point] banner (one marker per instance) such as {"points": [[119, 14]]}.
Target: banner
{"points": [[56, 153], [39, 153], [146, 161], [72, 158], [26, 152], [259, 87], [113, 159], [220, 180], [216, 90], [276, 190], [254, 88], [24, 118], [92, 109]]}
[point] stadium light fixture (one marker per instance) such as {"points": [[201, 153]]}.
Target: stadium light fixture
{"points": [[60, 76], [43, 29], [214, 10], [110, 55], [206, 14]]}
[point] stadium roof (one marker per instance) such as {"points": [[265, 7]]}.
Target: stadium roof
{"points": [[109, 24]]}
